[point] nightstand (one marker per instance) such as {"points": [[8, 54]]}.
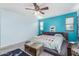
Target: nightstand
{"points": [[75, 50], [70, 48]]}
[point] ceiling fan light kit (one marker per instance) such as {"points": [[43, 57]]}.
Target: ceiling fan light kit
{"points": [[38, 15]]}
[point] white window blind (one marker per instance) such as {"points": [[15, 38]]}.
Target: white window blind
{"points": [[70, 24]]}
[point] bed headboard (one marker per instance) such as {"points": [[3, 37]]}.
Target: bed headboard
{"points": [[53, 33]]}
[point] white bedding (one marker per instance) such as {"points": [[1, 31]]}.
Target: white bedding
{"points": [[52, 42]]}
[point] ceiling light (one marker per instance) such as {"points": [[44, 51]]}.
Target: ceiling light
{"points": [[38, 15]]}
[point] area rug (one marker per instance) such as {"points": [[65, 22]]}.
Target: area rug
{"points": [[16, 52]]}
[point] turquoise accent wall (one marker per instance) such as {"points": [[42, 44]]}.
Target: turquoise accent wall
{"points": [[59, 23]]}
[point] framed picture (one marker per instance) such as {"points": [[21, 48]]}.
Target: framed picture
{"points": [[52, 28], [70, 24]]}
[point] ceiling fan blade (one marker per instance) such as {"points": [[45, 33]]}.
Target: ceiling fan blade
{"points": [[45, 8], [36, 6], [29, 9], [41, 12]]}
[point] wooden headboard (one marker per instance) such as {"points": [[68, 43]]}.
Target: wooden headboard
{"points": [[53, 33]]}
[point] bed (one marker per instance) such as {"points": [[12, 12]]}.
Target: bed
{"points": [[63, 47], [53, 42]]}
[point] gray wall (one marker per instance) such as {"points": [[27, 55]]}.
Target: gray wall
{"points": [[16, 27]]}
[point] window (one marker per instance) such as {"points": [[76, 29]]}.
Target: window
{"points": [[41, 25], [70, 24]]}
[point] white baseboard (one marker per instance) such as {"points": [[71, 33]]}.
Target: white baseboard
{"points": [[4, 47]]}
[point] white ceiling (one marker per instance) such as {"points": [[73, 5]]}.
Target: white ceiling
{"points": [[54, 8]]}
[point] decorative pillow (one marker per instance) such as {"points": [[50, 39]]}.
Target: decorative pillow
{"points": [[58, 35]]}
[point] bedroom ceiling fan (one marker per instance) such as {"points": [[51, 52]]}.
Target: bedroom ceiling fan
{"points": [[37, 8]]}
